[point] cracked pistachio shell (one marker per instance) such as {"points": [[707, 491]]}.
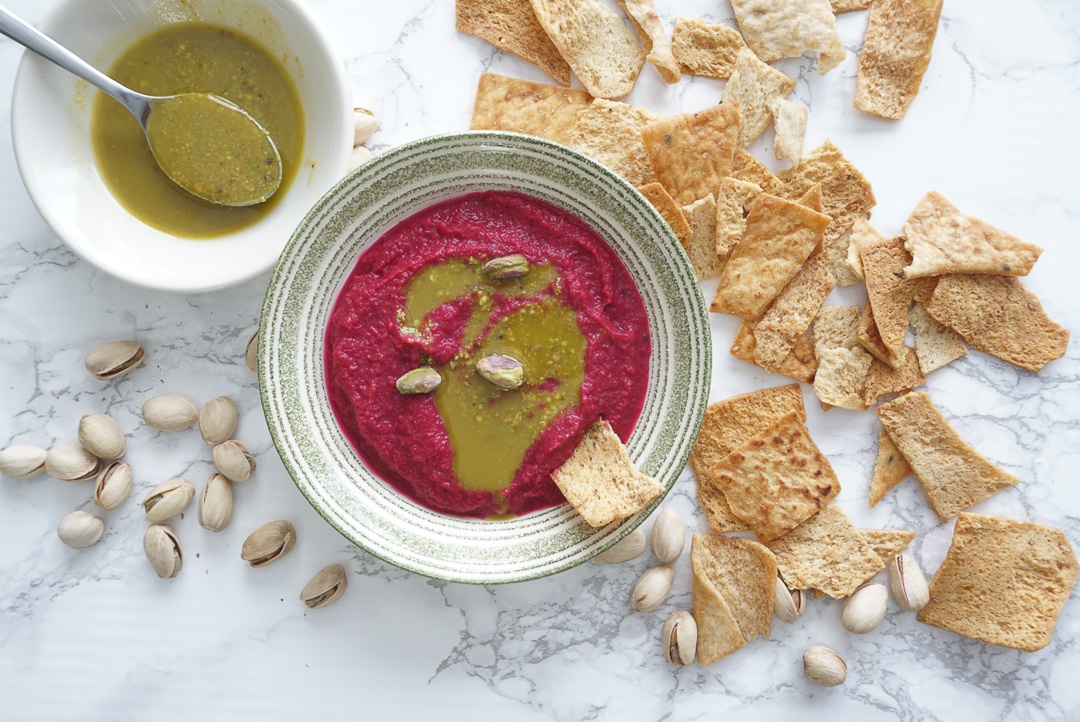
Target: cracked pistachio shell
{"points": [[71, 462], [168, 499], [668, 536], [907, 584], [364, 126], [865, 609], [80, 530], [326, 587], [170, 412], [823, 666], [22, 461], [234, 460], [110, 360], [679, 638], [629, 547], [101, 435], [113, 485], [268, 543], [788, 604], [216, 503], [251, 352], [651, 588], [506, 372], [163, 551], [218, 420]]}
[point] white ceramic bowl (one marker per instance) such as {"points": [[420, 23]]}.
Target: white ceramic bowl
{"points": [[50, 121]]}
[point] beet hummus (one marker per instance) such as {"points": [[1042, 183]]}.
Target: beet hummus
{"points": [[420, 297]]}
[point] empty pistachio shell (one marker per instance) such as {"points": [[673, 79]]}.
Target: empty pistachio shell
{"points": [[788, 604], [218, 420], [865, 608], [679, 638], [907, 584], [823, 666], [251, 352], [170, 412], [234, 460], [101, 435], [22, 461], [163, 551], [168, 499], [652, 588], [423, 380], [630, 547], [71, 462], [364, 125], [668, 536], [506, 372], [111, 360], [113, 485], [268, 543], [506, 268], [360, 155], [326, 587], [80, 530], [216, 503]]}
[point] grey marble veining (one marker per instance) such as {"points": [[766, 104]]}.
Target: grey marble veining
{"points": [[94, 635]]}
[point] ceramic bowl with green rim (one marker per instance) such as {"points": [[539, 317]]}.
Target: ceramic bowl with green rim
{"points": [[317, 263]]}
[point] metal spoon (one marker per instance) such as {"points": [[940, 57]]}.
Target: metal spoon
{"points": [[174, 114]]}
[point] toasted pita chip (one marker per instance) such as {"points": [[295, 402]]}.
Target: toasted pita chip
{"points": [[835, 327], [728, 425], [841, 376], [777, 479], [650, 32], [779, 237], [800, 364], [1003, 582], [718, 633], [847, 6], [511, 25], [777, 29], [826, 552], [887, 543], [754, 86], [733, 202], [899, 38], [997, 315], [546, 111], [705, 48], [870, 339], [610, 132], [702, 219], [889, 291], [601, 482], [790, 120], [655, 194], [935, 345], [883, 379], [953, 475], [943, 240], [691, 153], [861, 234], [743, 572], [790, 315], [889, 470], [746, 167]]}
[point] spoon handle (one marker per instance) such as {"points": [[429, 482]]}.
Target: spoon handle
{"points": [[28, 36]]}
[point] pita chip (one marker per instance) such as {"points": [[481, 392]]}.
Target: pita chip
{"points": [[650, 31], [882, 379], [790, 315], [847, 6], [754, 85], [521, 106], [718, 631], [511, 25], [610, 132], [889, 292], [935, 345], [733, 202], [776, 29], [790, 121], [702, 219], [861, 234], [705, 48], [671, 213], [889, 470], [835, 327], [690, 153], [743, 573], [842, 363], [870, 338], [899, 37], [746, 167], [887, 543], [800, 364]]}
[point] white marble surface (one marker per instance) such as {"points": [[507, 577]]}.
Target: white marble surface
{"points": [[94, 635]]}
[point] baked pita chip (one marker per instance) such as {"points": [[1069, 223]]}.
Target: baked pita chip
{"points": [[777, 29], [887, 543], [728, 425], [743, 572], [521, 106], [655, 194], [600, 49], [935, 345], [889, 470], [690, 153], [701, 216], [883, 379], [746, 167], [870, 339], [610, 132], [953, 475], [650, 32], [755, 86], [1003, 582], [790, 315], [800, 364], [779, 237], [705, 48], [733, 201], [790, 121], [841, 376], [718, 633], [777, 479], [943, 240], [826, 552], [899, 38], [861, 234], [847, 6], [835, 327], [889, 292], [997, 315], [511, 25], [601, 482]]}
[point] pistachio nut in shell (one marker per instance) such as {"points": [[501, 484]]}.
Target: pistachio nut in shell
{"points": [[101, 435], [506, 268], [268, 543], [216, 503], [80, 529], [788, 604], [326, 587], [113, 485], [907, 584], [360, 155], [364, 125], [668, 536], [421, 380], [679, 638], [251, 353], [651, 588], [168, 499], [71, 462], [111, 360], [21, 461], [823, 666], [629, 547], [506, 372], [234, 460], [163, 551], [864, 610], [218, 420], [170, 412]]}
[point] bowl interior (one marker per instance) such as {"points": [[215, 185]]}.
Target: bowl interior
{"points": [[318, 260], [51, 135]]}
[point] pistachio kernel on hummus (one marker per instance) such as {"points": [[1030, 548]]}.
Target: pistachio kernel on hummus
{"points": [[423, 380], [506, 372]]}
